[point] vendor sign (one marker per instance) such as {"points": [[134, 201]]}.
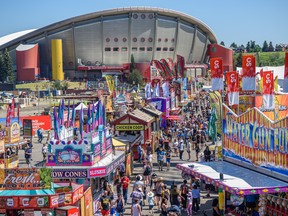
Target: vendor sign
{"points": [[14, 133], [25, 179], [2, 149], [69, 174], [254, 139], [129, 127]]}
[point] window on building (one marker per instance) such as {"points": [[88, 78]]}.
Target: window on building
{"points": [[107, 49], [115, 49], [124, 49], [171, 49], [142, 48], [134, 49], [149, 49], [165, 48], [158, 49]]}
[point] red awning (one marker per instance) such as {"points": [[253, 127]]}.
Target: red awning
{"points": [[175, 118]]}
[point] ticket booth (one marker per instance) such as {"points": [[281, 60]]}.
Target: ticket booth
{"points": [[135, 122]]}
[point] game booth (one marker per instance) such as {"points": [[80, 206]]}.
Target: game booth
{"points": [[32, 191], [83, 155], [135, 122]]}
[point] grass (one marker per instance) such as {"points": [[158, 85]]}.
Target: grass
{"points": [[43, 85], [267, 58]]}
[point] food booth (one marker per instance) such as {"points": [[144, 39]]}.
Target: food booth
{"points": [[135, 122]]}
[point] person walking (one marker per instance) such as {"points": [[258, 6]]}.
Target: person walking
{"points": [[44, 151], [147, 172], [28, 155], [140, 153], [168, 158], [189, 148], [207, 154], [197, 150], [151, 202], [160, 158], [181, 149], [120, 205], [196, 198], [125, 181], [137, 195], [164, 207], [105, 204], [136, 209]]}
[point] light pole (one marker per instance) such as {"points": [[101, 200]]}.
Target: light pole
{"points": [[37, 89]]}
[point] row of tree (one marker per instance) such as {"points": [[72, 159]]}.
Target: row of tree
{"points": [[6, 68], [251, 46]]}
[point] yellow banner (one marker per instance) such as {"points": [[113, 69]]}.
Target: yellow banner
{"points": [[129, 127]]}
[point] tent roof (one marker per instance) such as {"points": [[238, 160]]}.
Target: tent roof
{"points": [[236, 179], [81, 105]]}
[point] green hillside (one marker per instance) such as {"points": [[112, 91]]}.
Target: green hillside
{"points": [[264, 58]]}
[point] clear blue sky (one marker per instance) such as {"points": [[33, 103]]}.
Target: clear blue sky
{"points": [[231, 20]]}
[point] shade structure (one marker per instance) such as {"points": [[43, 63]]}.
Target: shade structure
{"points": [[236, 180], [174, 117]]}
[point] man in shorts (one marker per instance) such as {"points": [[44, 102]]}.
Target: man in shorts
{"points": [[105, 204], [160, 158]]}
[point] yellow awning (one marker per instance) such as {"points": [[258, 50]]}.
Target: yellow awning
{"points": [[117, 143]]}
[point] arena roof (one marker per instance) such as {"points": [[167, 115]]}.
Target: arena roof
{"points": [[13, 39]]}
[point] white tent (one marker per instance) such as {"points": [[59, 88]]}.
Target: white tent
{"points": [[81, 105]]}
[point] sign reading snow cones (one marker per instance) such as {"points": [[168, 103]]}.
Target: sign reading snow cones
{"points": [[232, 87], [216, 65], [248, 73]]}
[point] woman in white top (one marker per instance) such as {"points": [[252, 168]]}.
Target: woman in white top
{"points": [[136, 209], [175, 146]]}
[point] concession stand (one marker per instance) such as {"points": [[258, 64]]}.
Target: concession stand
{"points": [[231, 179], [135, 122]]}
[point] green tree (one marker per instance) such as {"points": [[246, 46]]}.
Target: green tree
{"points": [[270, 47], [56, 85], [222, 43], [239, 60], [257, 48], [132, 66], [135, 77], [248, 47], [8, 67], [233, 45], [265, 46], [2, 74], [252, 46]]}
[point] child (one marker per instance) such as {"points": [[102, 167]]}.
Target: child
{"points": [[151, 202], [144, 196], [189, 204]]}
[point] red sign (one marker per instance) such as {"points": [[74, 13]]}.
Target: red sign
{"points": [[232, 81], [268, 82], [97, 172], [248, 66], [43, 121], [216, 65]]}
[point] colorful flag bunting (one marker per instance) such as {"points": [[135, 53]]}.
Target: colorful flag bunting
{"points": [[232, 87], [268, 90], [248, 73]]}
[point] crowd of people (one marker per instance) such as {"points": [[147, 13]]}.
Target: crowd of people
{"points": [[188, 136]]}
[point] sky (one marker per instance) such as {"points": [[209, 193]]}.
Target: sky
{"points": [[230, 20]]}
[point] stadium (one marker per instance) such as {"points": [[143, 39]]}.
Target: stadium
{"points": [[103, 42]]}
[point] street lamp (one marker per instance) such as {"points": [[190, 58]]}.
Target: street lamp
{"points": [[37, 89]]}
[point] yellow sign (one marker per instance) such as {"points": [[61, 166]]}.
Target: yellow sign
{"points": [[2, 148], [129, 127], [14, 133]]}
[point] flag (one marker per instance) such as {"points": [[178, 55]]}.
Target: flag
{"points": [[167, 69], [92, 116], [55, 121], [216, 65], [72, 123], [81, 118], [88, 120], [276, 89], [13, 108], [248, 73], [172, 67], [148, 90], [285, 86], [68, 114], [212, 128], [156, 91], [180, 66], [268, 90], [8, 116], [18, 113], [159, 67], [165, 88], [232, 87]]}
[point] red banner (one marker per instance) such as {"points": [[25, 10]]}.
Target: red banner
{"points": [[268, 82], [180, 65], [232, 81], [43, 121], [167, 69], [216, 66], [286, 66], [248, 66]]}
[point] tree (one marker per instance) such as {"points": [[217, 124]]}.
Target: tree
{"points": [[222, 43], [56, 85], [135, 77], [265, 46], [233, 45], [2, 74], [8, 67], [270, 47], [248, 47], [239, 60], [132, 65], [257, 48]]}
